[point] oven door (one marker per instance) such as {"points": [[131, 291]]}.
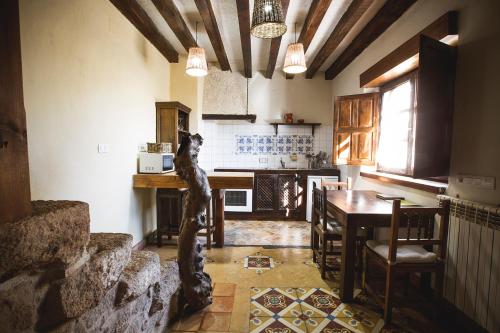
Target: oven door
{"points": [[238, 200]]}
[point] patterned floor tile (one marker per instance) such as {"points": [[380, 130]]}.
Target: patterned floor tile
{"points": [[277, 302], [277, 325], [258, 262], [325, 325], [358, 318], [317, 302]]}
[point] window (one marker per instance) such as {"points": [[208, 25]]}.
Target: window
{"points": [[396, 143]]}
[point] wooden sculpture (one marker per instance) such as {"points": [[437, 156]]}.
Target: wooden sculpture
{"points": [[196, 284]]}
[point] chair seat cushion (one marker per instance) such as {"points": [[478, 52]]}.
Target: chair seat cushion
{"points": [[404, 254]]}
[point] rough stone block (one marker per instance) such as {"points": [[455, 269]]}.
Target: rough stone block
{"points": [[55, 235], [149, 312], [84, 288], [142, 271]]}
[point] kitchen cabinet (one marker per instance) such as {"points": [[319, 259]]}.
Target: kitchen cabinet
{"points": [[278, 194], [172, 123]]}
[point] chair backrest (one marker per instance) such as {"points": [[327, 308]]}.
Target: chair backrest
{"points": [[417, 226], [319, 205], [331, 185]]}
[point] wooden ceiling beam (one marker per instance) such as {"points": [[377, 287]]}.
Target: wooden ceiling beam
{"points": [[210, 23], [314, 17], [173, 17], [385, 17], [134, 12], [246, 46], [313, 20], [351, 16], [275, 46]]}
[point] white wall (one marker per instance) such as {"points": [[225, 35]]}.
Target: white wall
{"points": [[90, 77], [225, 92], [476, 138]]}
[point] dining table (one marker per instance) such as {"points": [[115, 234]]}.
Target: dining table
{"points": [[354, 209]]}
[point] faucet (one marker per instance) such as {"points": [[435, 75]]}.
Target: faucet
{"points": [[282, 163]]}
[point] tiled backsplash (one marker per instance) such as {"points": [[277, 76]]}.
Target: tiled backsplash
{"points": [[256, 146], [274, 144]]}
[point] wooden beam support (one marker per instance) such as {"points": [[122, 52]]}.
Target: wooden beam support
{"points": [[385, 17], [396, 63], [275, 46], [246, 47], [351, 16], [134, 12], [210, 23], [15, 197], [314, 17], [172, 16]]}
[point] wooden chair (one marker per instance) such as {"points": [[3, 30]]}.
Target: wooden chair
{"points": [[413, 253], [325, 230], [335, 185]]}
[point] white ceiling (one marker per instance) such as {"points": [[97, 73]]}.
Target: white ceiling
{"points": [[227, 19]]}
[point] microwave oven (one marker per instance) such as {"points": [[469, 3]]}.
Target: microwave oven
{"points": [[156, 162]]}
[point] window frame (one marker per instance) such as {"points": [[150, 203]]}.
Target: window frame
{"points": [[413, 78]]}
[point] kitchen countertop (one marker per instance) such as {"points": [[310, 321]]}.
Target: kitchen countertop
{"points": [[236, 169], [217, 180]]}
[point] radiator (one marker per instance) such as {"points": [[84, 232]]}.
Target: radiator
{"points": [[472, 273]]}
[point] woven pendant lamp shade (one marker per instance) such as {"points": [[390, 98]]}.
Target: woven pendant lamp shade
{"points": [[197, 62], [295, 61], [267, 19]]}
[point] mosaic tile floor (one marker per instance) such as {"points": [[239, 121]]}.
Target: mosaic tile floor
{"points": [[308, 310], [293, 305]]}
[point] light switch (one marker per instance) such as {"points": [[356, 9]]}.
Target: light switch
{"points": [[103, 148], [143, 147]]}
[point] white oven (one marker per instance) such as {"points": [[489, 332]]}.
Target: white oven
{"points": [[236, 200]]}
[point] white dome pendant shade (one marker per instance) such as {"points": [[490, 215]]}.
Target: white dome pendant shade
{"points": [[267, 19], [197, 62], [295, 60]]}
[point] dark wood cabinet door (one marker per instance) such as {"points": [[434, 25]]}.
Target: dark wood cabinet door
{"points": [[355, 132], [264, 192], [287, 192]]}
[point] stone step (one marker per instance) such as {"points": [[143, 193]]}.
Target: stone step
{"points": [[142, 271], [85, 286], [150, 311], [54, 235]]}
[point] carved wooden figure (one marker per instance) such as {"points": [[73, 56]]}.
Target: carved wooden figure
{"points": [[196, 284]]}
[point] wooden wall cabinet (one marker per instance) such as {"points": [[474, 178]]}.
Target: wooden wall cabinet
{"points": [[355, 134], [172, 122]]}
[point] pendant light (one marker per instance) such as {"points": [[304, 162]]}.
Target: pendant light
{"points": [[268, 20], [197, 62], [295, 60]]}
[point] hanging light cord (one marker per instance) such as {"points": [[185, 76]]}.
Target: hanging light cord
{"points": [[295, 32], [247, 96], [196, 32]]}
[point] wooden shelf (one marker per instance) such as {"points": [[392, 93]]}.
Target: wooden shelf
{"points": [[219, 116], [312, 125]]}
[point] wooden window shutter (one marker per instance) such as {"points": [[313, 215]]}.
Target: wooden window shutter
{"points": [[355, 134], [435, 100]]}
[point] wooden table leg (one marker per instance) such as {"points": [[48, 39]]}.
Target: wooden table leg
{"points": [[348, 262], [218, 197]]}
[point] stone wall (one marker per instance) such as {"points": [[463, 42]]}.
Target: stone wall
{"points": [[55, 276]]}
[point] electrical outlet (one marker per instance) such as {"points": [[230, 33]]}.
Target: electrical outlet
{"points": [[103, 148], [142, 147]]}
